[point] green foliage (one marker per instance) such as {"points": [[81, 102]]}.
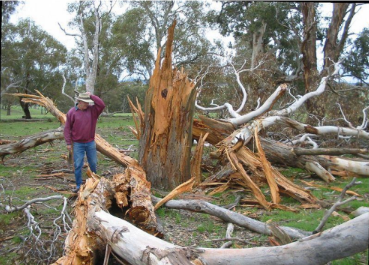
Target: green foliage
{"points": [[139, 33], [356, 62]]}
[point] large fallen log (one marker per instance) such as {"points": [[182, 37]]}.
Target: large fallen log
{"points": [[137, 247], [83, 244], [338, 242]]}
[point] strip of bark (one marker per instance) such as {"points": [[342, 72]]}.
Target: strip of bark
{"points": [[274, 191]]}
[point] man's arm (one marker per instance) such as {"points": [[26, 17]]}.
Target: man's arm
{"points": [[67, 132], [99, 104]]}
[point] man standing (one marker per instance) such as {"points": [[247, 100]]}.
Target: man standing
{"points": [[79, 133]]}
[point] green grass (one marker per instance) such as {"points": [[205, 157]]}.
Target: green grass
{"points": [[18, 129], [16, 112], [8, 259], [6, 219]]}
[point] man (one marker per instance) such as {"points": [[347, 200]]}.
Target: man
{"points": [[79, 133]]}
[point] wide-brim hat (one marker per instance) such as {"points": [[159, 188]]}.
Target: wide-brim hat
{"points": [[84, 97]]}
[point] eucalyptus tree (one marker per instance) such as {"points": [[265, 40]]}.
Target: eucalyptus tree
{"points": [[7, 80], [286, 42], [356, 59], [90, 21], [140, 33], [32, 58]]}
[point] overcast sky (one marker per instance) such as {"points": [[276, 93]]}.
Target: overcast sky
{"points": [[48, 13]]}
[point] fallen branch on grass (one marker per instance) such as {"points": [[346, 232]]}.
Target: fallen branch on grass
{"points": [[339, 202], [229, 216]]}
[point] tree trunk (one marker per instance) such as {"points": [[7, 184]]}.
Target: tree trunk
{"points": [[8, 108], [331, 46], [25, 108], [166, 131], [308, 51]]}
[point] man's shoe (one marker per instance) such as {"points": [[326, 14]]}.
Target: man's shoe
{"points": [[75, 190]]}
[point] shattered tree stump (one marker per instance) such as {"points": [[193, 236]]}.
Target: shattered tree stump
{"points": [[166, 129]]}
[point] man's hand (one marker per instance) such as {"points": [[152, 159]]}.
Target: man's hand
{"points": [[69, 147], [88, 93]]}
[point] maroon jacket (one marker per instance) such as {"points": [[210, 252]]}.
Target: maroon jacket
{"points": [[81, 124]]}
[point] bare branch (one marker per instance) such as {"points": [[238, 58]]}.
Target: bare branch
{"points": [[365, 120], [344, 117], [63, 91], [10, 209], [304, 98], [335, 205], [69, 34], [264, 108]]}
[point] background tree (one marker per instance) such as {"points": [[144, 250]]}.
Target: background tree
{"points": [[7, 80], [141, 31], [32, 60], [356, 58], [89, 23], [282, 39]]}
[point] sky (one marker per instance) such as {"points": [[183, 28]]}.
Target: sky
{"points": [[48, 13]]}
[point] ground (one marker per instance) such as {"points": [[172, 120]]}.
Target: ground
{"points": [[33, 174]]}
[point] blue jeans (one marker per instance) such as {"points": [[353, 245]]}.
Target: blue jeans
{"points": [[79, 150]]}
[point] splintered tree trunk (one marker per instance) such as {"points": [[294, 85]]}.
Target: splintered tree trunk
{"points": [[166, 132]]}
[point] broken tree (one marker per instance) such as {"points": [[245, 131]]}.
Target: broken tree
{"points": [[166, 126]]}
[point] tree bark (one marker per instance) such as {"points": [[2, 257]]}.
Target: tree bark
{"points": [[166, 132], [308, 50]]}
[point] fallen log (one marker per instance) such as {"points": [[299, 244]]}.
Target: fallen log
{"points": [[136, 247], [31, 142], [83, 244], [338, 242]]}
